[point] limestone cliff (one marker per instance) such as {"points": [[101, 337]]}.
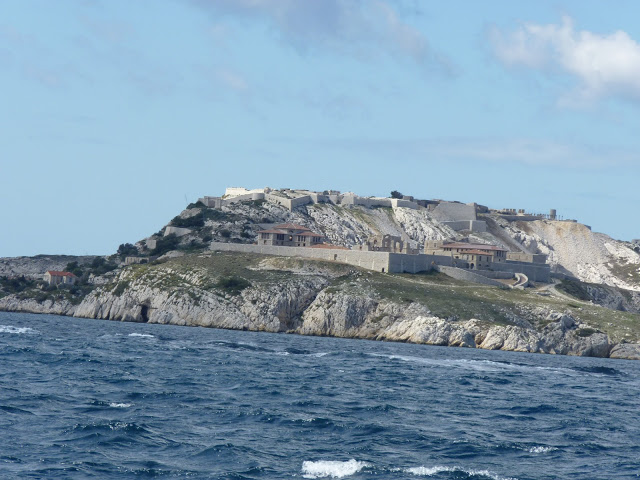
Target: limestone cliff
{"points": [[249, 292]]}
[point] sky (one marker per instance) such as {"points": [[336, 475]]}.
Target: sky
{"points": [[115, 114]]}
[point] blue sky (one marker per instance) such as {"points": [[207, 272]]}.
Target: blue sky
{"points": [[115, 114]]}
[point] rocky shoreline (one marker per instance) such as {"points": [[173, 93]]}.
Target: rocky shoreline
{"points": [[305, 305]]}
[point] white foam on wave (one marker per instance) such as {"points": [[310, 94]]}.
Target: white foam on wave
{"points": [[119, 405], [431, 471], [283, 354], [330, 468], [477, 365], [16, 330], [319, 354], [541, 449], [147, 335]]}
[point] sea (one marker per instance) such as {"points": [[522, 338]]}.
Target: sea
{"points": [[93, 399]]}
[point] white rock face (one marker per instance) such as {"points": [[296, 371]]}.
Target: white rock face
{"points": [[591, 257]]}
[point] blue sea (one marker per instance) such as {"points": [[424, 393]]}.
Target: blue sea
{"points": [[107, 400]]}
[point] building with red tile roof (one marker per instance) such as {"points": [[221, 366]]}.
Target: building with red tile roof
{"points": [[53, 277]]}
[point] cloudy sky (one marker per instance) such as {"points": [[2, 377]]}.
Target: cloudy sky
{"points": [[114, 114]]}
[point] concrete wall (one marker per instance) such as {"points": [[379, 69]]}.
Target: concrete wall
{"points": [[376, 261], [451, 212], [402, 203], [469, 276], [496, 275], [536, 272], [472, 225], [527, 257], [178, 231]]}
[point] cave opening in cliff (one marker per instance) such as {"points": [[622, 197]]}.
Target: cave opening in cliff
{"points": [[144, 313]]}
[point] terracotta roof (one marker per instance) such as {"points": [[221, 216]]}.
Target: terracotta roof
{"points": [[478, 252], [329, 246], [473, 246], [55, 273], [283, 232], [291, 226]]}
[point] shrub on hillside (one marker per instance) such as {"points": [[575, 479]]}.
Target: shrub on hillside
{"points": [[166, 244], [233, 284], [192, 222]]}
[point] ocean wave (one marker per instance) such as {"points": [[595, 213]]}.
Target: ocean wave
{"points": [[477, 365], [17, 330], [147, 335], [120, 405], [541, 449], [470, 474], [332, 468]]}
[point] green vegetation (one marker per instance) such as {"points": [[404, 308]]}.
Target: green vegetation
{"points": [[396, 194], [166, 244], [127, 250], [233, 285], [16, 284], [196, 221], [574, 288]]}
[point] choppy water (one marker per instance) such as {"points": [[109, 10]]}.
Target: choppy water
{"points": [[96, 399]]}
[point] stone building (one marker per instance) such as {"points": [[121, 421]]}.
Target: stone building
{"points": [[289, 235], [478, 256], [388, 243], [53, 277]]}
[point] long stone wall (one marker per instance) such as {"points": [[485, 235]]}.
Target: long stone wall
{"points": [[376, 261], [469, 276], [472, 225], [536, 272]]}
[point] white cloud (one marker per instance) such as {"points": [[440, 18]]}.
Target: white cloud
{"points": [[354, 27], [605, 65]]}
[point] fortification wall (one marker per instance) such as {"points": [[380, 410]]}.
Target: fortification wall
{"points": [[235, 191], [376, 261], [469, 276], [452, 212], [472, 225], [403, 263], [522, 218], [397, 202], [536, 272], [527, 257], [495, 275], [178, 231]]}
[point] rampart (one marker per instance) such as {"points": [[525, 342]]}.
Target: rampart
{"points": [[471, 225], [469, 276], [527, 257], [453, 212], [537, 272], [375, 261]]}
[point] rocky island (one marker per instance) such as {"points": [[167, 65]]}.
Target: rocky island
{"points": [[327, 263]]}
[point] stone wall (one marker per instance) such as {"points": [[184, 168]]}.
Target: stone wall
{"points": [[472, 225], [469, 276], [537, 272], [527, 257], [452, 212], [376, 261], [495, 275], [177, 231]]}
